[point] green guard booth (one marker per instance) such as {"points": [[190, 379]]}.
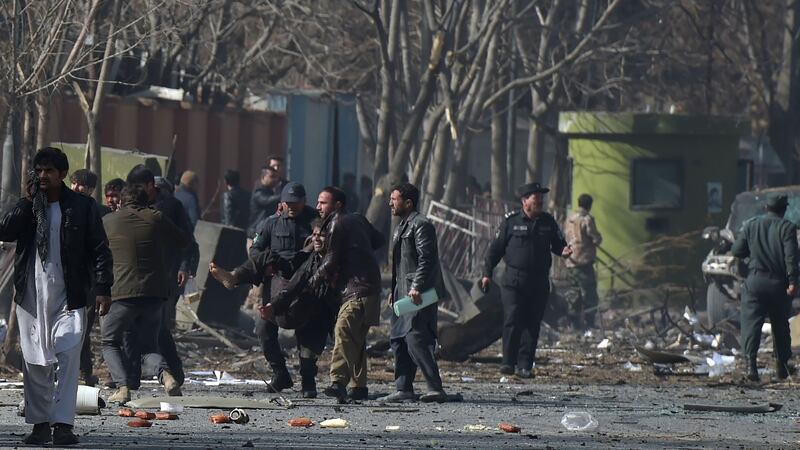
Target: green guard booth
{"points": [[657, 180]]}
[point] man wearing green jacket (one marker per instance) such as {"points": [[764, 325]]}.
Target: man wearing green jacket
{"points": [[770, 241], [139, 237]]}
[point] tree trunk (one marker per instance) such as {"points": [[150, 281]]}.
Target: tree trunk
{"points": [[28, 141], [559, 181], [535, 152], [11, 158], [439, 164], [499, 152], [43, 118]]}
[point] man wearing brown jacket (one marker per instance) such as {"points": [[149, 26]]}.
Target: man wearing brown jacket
{"points": [[138, 237], [582, 235]]}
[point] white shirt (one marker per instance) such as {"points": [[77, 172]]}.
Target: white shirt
{"points": [[46, 326]]}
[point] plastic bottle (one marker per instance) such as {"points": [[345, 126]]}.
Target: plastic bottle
{"points": [[579, 421]]}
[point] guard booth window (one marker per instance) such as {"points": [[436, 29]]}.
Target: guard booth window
{"points": [[657, 184]]}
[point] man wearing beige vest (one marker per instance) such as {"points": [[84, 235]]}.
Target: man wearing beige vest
{"points": [[584, 238]]}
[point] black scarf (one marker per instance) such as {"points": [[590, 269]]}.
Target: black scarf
{"points": [[39, 198]]}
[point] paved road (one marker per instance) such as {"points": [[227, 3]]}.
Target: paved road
{"points": [[629, 416]]}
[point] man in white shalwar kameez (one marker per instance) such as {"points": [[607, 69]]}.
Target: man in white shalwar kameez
{"points": [[62, 237]]}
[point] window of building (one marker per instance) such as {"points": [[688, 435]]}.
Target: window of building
{"points": [[657, 184]]}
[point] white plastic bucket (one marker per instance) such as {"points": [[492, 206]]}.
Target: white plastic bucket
{"points": [[88, 400]]}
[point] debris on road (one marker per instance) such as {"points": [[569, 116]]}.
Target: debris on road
{"points": [[579, 421], [145, 415], [239, 416], [478, 427], [140, 423], [220, 418], [204, 402], [125, 412], [508, 428], [746, 409], [334, 423], [301, 422], [162, 415], [392, 428]]}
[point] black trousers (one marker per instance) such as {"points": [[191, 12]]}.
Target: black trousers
{"points": [[87, 358], [764, 297], [416, 350], [524, 302], [170, 360]]}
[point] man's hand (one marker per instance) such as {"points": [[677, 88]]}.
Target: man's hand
{"points": [[485, 282], [183, 277], [267, 311], [102, 304], [416, 297], [791, 290], [567, 252]]}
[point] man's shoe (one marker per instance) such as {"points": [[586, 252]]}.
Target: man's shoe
{"points": [[433, 396], [63, 435], [507, 370], [783, 370], [109, 383], [40, 435], [523, 373], [311, 393], [171, 386], [89, 379], [752, 369], [122, 396], [337, 391], [358, 393], [280, 380], [398, 397]]}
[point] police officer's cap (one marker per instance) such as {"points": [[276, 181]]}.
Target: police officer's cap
{"points": [[531, 188], [293, 192], [777, 201]]}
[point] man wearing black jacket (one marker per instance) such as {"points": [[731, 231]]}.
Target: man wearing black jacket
{"points": [[264, 201], [235, 202], [415, 269], [60, 242]]}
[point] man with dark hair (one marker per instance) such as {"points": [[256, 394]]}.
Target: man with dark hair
{"points": [[186, 193], [309, 313], [264, 201], [350, 268], [83, 181], [770, 241], [182, 266], [235, 202], [277, 164], [60, 243], [112, 191], [415, 269], [283, 234], [583, 237], [139, 237], [525, 240]]}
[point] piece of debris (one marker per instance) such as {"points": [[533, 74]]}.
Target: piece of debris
{"points": [[504, 379], [604, 344], [477, 427], [579, 421], [334, 423], [283, 402], [163, 415], [394, 410], [720, 364], [747, 409], [467, 379], [171, 407], [220, 418], [139, 423], [508, 428], [392, 428], [145, 415], [659, 357], [632, 367], [239, 416], [125, 412], [301, 422], [207, 402]]}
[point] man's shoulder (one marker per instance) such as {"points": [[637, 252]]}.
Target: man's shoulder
{"points": [[512, 214]]}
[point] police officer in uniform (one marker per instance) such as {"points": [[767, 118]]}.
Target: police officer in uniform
{"points": [[770, 241], [283, 234], [525, 240]]}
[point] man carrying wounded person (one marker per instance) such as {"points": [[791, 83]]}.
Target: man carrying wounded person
{"points": [[295, 306]]}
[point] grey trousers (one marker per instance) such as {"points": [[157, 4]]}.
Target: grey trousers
{"points": [[47, 401], [144, 315]]}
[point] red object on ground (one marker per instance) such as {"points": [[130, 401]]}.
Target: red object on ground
{"points": [[220, 418], [508, 428], [138, 423], [300, 422], [125, 412], [146, 415], [163, 415]]}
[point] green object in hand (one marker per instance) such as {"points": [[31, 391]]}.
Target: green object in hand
{"points": [[406, 306]]}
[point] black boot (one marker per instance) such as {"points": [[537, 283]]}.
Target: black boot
{"points": [[752, 369], [40, 435], [280, 380], [63, 435], [308, 374], [337, 391], [358, 393]]}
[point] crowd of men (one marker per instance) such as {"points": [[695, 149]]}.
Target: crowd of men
{"points": [[128, 260]]}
